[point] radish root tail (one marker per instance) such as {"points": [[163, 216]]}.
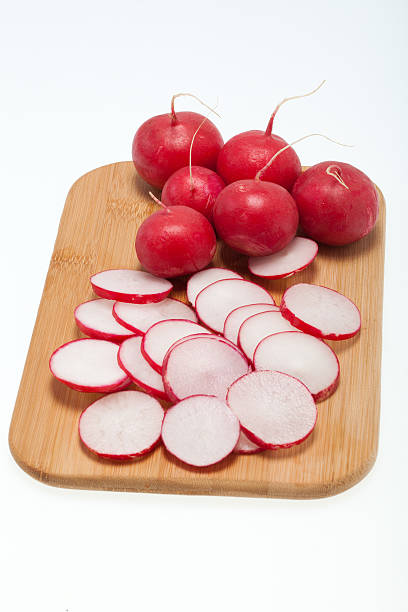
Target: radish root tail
{"points": [[166, 208], [191, 150], [268, 130], [173, 113], [335, 172]]}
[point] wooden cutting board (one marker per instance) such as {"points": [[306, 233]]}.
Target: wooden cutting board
{"points": [[97, 231]]}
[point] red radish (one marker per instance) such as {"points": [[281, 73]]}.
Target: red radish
{"points": [[88, 365], [320, 311], [121, 426], [132, 286], [215, 302], [159, 338], [337, 203], [205, 365], [132, 362], [235, 319], [275, 410], [200, 430], [245, 446], [95, 319], [161, 144], [302, 356], [200, 280], [296, 256], [175, 241], [139, 317], [259, 326]]}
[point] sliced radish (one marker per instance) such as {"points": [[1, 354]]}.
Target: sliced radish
{"points": [[88, 365], [295, 257], [215, 302], [132, 362], [139, 317], [235, 318], [121, 425], [132, 286], [200, 280], [160, 336], [200, 430], [320, 311], [205, 365], [275, 410], [257, 327], [245, 446], [95, 319], [302, 356]]}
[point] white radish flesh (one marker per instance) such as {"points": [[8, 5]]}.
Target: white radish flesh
{"points": [[121, 425], [200, 430], [245, 446], [259, 326], [95, 319], [202, 279], [235, 319], [139, 317], [132, 286], [274, 409], [293, 258], [132, 362]]}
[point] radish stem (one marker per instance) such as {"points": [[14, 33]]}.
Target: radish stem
{"points": [[268, 130], [191, 149], [166, 208], [173, 113], [335, 172]]}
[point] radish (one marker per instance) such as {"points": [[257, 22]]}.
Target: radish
{"points": [[337, 203], [132, 286], [296, 256], [320, 311], [235, 319], [302, 356], [259, 326], [200, 280], [175, 241], [159, 338], [121, 425], [95, 319], [139, 317], [133, 363], [205, 365], [245, 446], [275, 410], [161, 144], [215, 302], [88, 365], [200, 430]]}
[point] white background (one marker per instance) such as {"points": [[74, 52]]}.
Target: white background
{"points": [[77, 79]]}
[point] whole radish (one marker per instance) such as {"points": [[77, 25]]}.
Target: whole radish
{"points": [[161, 144], [337, 203], [175, 241]]}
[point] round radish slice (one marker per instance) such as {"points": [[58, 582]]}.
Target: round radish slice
{"points": [[235, 318], [215, 302], [132, 286], [295, 257], [200, 430], [275, 410], [121, 425], [320, 311], [88, 365], [132, 362], [257, 327], [95, 319], [245, 446], [205, 365], [302, 356], [200, 280], [139, 317], [160, 336]]}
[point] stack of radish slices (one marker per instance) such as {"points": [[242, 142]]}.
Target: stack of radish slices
{"points": [[243, 374]]}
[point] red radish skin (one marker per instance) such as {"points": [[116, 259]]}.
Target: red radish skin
{"points": [[259, 326], [133, 363], [245, 446], [95, 319], [139, 317], [132, 286], [235, 319], [200, 280], [296, 256]]}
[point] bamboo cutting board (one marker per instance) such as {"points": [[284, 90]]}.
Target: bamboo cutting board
{"points": [[96, 232]]}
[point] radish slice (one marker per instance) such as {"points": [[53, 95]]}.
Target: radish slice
{"points": [[275, 410], [88, 365], [95, 319], [200, 280], [200, 430], [320, 311], [295, 257], [257, 327], [302, 356], [215, 302], [132, 286], [139, 317], [121, 425], [245, 446], [132, 362], [160, 336], [235, 319], [205, 365]]}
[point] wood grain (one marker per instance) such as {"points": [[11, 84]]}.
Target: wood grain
{"points": [[97, 231]]}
